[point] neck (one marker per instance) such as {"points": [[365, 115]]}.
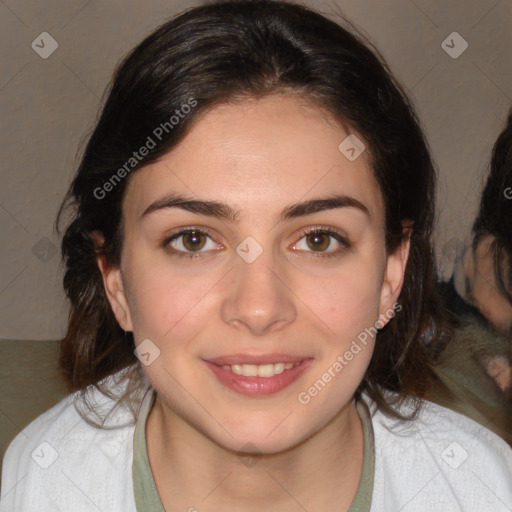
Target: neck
{"points": [[191, 469]]}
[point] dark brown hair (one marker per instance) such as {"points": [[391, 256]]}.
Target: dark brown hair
{"points": [[495, 212], [223, 52]]}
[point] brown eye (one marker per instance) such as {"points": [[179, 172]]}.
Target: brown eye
{"points": [[322, 241], [189, 243], [193, 240], [318, 241]]}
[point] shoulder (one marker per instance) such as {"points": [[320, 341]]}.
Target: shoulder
{"points": [[441, 460], [59, 459]]}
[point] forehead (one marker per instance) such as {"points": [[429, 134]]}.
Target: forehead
{"points": [[259, 155]]}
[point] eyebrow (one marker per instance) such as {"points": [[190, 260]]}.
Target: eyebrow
{"points": [[224, 211]]}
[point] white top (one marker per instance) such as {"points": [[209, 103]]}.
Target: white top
{"points": [[443, 461]]}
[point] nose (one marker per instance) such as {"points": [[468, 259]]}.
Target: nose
{"points": [[258, 298]]}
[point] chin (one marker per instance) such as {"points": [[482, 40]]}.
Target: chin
{"points": [[266, 438]]}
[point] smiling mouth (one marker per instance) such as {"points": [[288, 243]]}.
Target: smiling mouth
{"points": [[259, 370], [258, 379]]}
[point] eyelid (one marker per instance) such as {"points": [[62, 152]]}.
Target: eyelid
{"points": [[187, 229], [323, 229]]}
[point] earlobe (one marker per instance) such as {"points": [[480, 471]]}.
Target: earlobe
{"points": [[114, 288]]}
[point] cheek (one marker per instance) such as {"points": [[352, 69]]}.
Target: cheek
{"points": [[347, 301], [168, 303]]}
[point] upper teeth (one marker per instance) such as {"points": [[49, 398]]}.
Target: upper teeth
{"points": [[259, 370]]}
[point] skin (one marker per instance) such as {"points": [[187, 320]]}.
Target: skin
{"points": [[476, 282], [258, 156], [483, 291]]}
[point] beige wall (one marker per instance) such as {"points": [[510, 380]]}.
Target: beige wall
{"points": [[49, 105]]}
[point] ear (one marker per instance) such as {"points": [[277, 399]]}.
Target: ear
{"points": [[394, 276], [114, 287]]}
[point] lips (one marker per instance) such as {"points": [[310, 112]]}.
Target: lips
{"points": [[257, 359], [261, 377]]}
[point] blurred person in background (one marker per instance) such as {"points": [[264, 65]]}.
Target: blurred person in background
{"points": [[475, 368]]}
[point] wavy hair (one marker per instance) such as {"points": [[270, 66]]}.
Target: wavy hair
{"points": [[227, 51], [495, 212]]}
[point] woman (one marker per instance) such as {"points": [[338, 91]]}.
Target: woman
{"points": [[254, 205]]}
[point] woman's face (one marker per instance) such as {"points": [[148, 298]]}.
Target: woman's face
{"points": [[255, 287]]}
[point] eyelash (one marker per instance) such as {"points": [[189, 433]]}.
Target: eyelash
{"points": [[317, 229]]}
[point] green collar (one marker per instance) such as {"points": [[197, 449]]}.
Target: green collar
{"points": [[146, 495]]}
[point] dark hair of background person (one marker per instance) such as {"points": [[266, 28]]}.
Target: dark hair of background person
{"points": [[224, 52], [495, 213]]}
